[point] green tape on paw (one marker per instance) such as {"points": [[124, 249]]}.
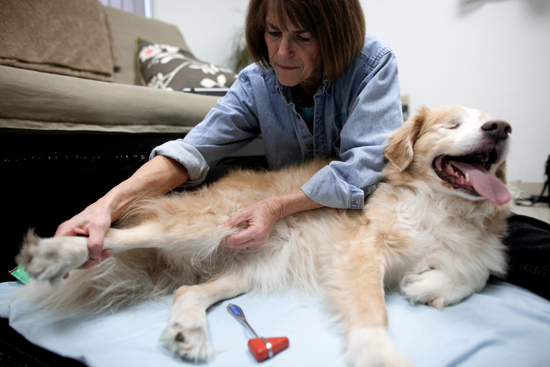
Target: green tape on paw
{"points": [[19, 274]]}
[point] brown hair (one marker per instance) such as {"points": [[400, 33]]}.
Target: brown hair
{"points": [[337, 25]]}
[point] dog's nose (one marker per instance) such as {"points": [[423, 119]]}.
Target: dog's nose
{"points": [[497, 129]]}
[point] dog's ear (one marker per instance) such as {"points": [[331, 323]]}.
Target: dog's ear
{"points": [[400, 150]]}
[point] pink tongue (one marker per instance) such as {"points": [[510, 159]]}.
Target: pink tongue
{"points": [[484, 182]]}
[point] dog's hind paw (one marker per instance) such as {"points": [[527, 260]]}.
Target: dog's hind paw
{"points": [[51, 258], [189, 342]]}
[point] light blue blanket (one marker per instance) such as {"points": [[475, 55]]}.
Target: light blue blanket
{"points": [[502, 326]]}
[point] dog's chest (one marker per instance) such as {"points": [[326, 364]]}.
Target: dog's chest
{"points": [[431, 225]]}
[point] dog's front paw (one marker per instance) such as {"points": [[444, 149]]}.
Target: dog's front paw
{"points": [[436, 288], [373, 347], [186, 336], [51, 258]]}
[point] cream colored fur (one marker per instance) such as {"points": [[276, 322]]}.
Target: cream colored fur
{"points": [[416, 234]]}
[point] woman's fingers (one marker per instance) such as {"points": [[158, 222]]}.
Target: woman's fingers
{"points": [[260, 219], [102, 256], [250, 237]]}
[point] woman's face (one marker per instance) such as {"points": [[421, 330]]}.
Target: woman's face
{"points": [[294, 54]]}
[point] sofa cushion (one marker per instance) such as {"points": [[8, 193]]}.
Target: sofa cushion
{"points": [[168, 67], [35, 101]]}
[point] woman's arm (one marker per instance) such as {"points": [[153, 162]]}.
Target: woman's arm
{"points": [[373, 113], [261, 218], [154, 178]]}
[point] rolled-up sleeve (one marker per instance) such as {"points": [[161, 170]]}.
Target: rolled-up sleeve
{"points": [[186, 155], [373, 114], [224, 130]]}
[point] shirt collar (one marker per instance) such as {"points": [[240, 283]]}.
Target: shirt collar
{"points": [[286, 92]]}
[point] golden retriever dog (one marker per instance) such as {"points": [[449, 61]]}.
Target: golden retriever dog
{"points": [[432, 230]]}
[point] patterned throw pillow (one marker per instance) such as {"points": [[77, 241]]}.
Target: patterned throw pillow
{"points": [[168, 67]]}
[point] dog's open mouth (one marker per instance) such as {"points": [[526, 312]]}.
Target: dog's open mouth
{"points": [[470, 174]]}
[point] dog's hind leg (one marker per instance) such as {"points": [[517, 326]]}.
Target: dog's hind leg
{"points": [[357, 296], [186, 335], [51, 258]]}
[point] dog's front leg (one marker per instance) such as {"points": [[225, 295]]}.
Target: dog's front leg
{"points": [[187, 334], [358, 297], [439, 287]]}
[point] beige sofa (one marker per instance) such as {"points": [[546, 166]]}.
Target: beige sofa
{"points": [[32, 102]]}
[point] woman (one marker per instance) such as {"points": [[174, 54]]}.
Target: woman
{"points": [[319, 88]]}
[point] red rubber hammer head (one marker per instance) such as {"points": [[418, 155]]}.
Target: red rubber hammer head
{"points": [[264, 348], [261, 348]]}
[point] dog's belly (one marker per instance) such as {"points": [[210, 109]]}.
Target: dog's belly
{"points": [[299, 254]]}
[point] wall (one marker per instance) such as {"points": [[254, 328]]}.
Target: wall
{"points": [[491, 55], [488, 54], [207, 25]]}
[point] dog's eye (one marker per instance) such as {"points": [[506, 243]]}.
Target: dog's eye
{"points": [[453, 125]]}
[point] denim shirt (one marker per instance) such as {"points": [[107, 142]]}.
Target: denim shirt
{"points": [[352, 119]]}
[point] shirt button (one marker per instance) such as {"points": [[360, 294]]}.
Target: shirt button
{"points": [[298, 116], [310, 147]]}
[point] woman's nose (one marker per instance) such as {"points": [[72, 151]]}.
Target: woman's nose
{"points": [[285, 48]]}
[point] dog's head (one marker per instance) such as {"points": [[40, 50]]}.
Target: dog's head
{"points": [[452, 148]]}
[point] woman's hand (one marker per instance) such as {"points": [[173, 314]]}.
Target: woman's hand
{"points": [[261, 218], [93, 222], [154, 178]]}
